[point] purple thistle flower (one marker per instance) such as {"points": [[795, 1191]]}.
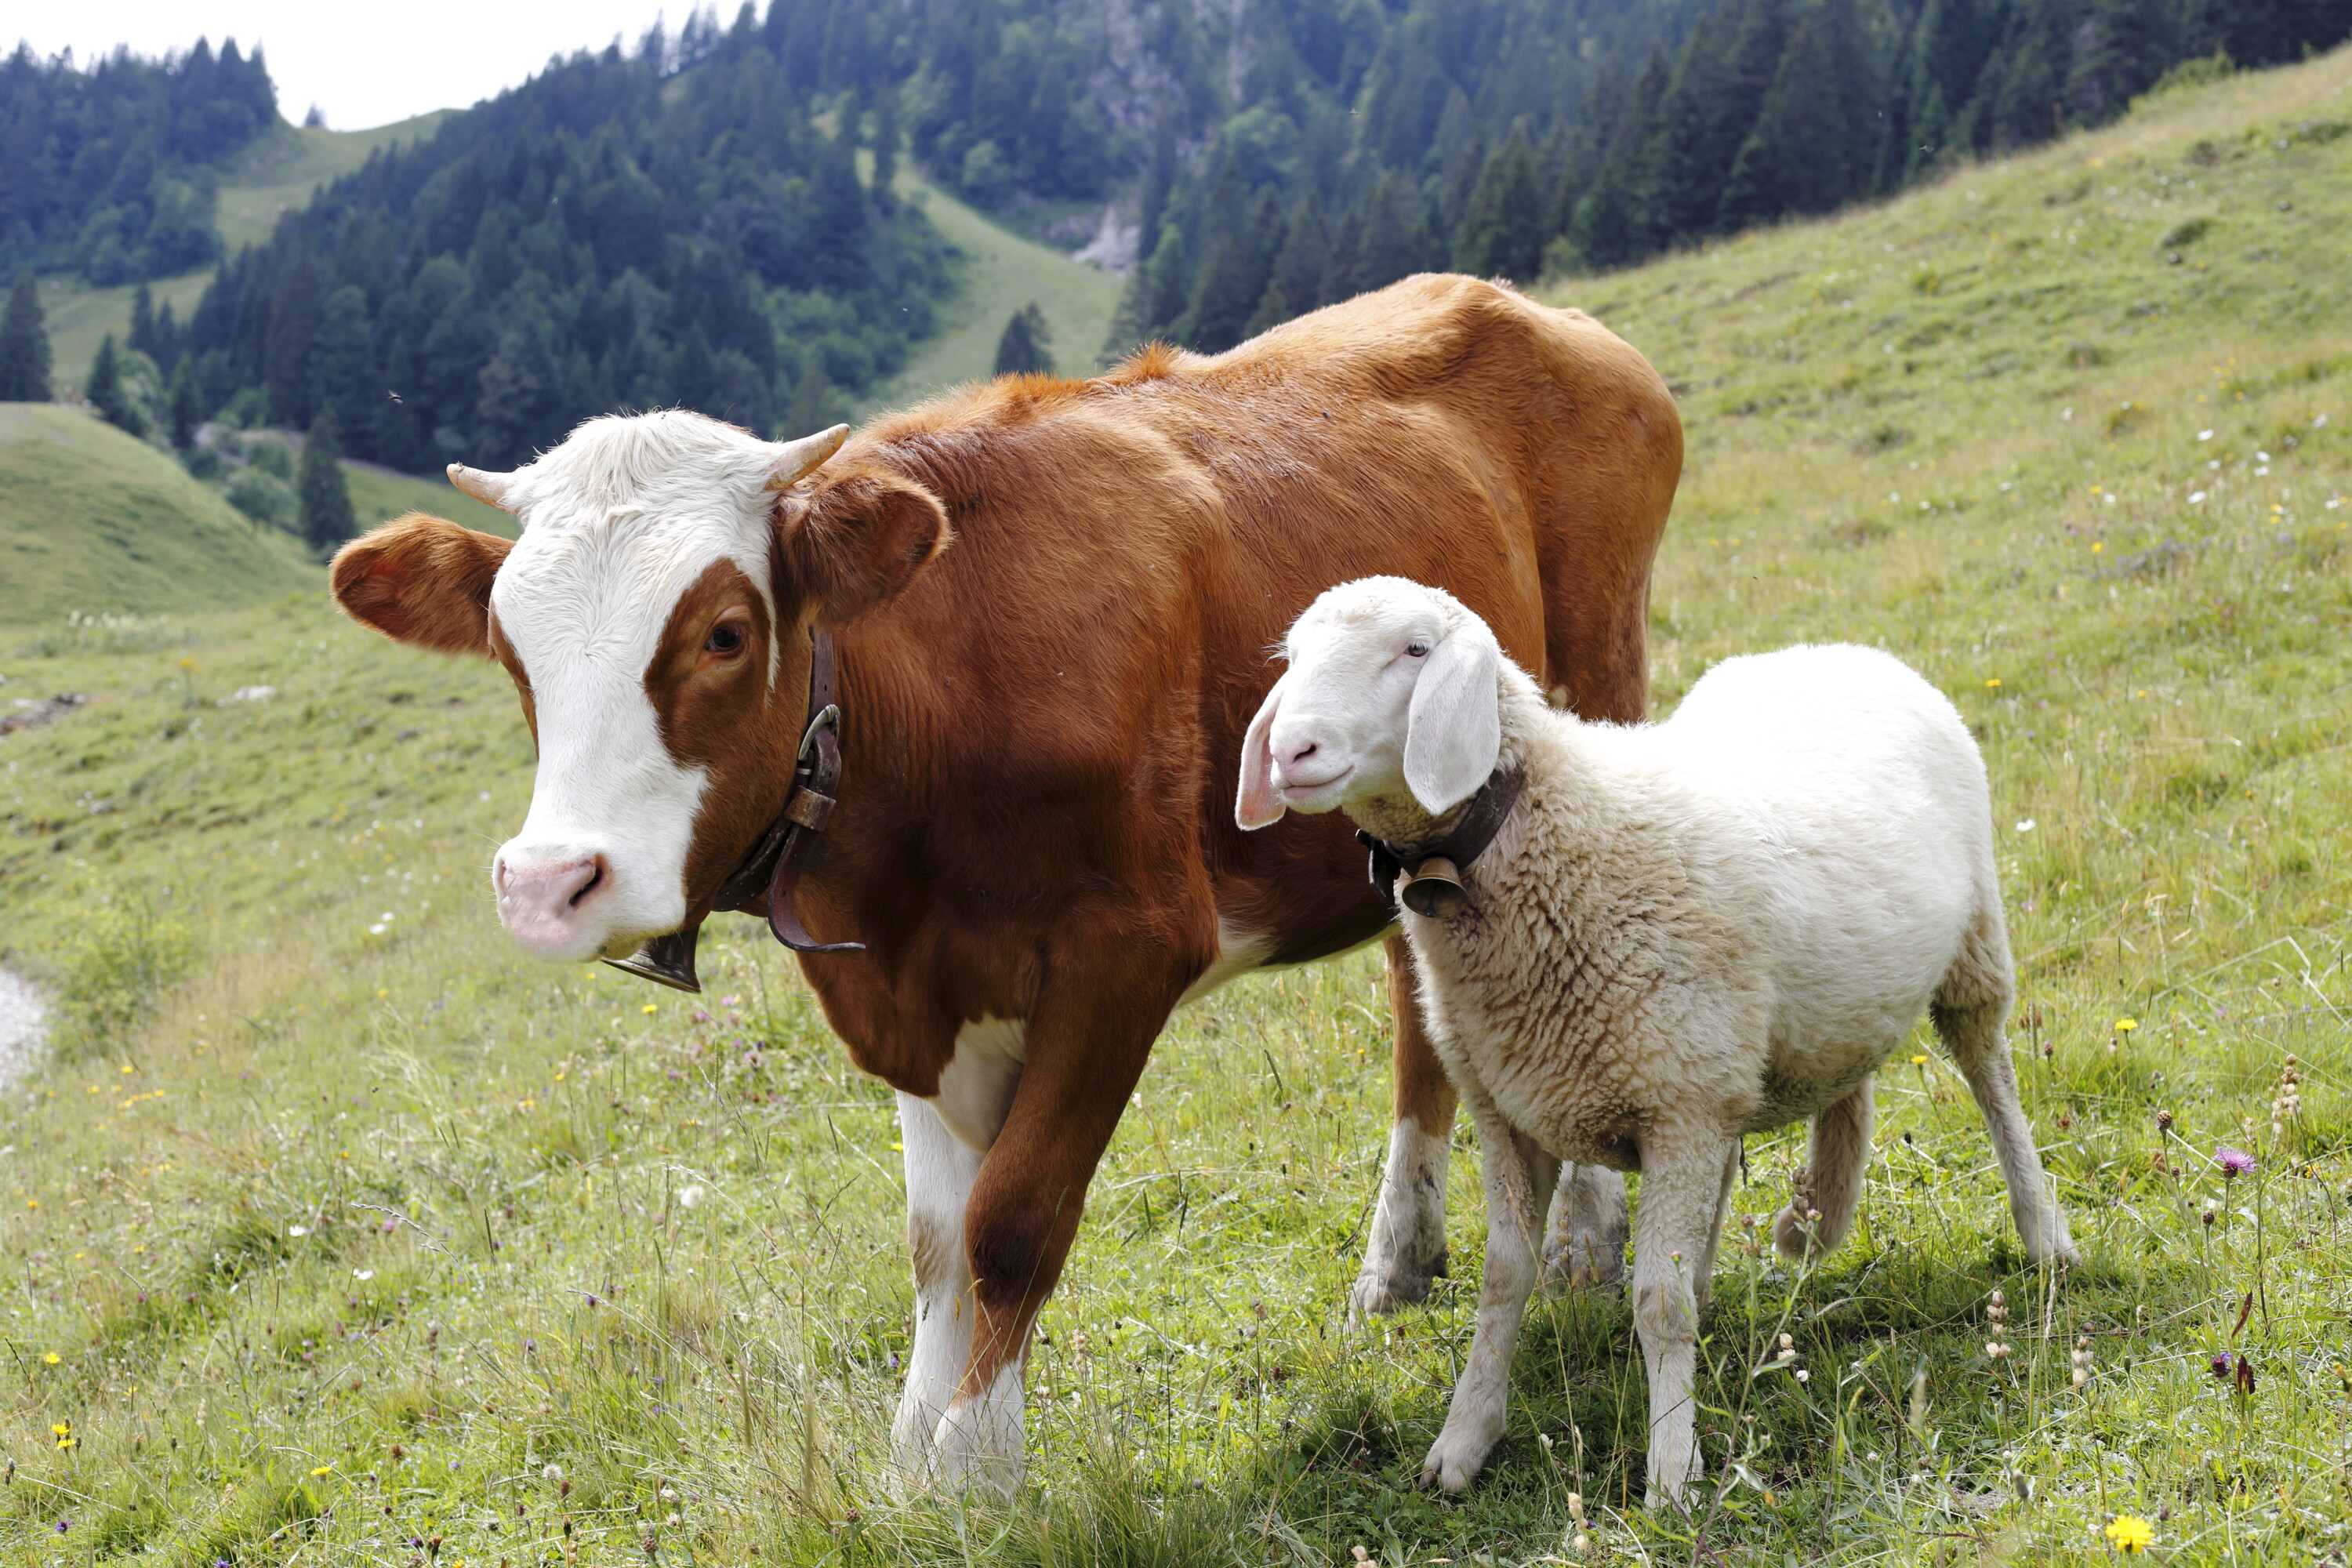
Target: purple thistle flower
{"points": [[2233, 1162]]}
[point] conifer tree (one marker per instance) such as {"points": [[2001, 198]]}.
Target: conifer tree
{"points": [[1028, 344], [325, 500], [1300, 267], [185, 405], [107, 394], [24, 345], [142, 323], [1502, 232]]}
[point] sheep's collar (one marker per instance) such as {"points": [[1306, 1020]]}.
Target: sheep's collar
{"points": [[1433, 870]]}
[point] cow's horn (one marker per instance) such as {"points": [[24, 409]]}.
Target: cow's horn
{"points": [[795, 459], [490, 489]]}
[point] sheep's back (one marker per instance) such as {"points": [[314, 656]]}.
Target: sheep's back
{"points": [[1864, 802]]}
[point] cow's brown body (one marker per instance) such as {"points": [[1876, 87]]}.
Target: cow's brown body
{"points": [[1044, 728], [1045, 696]]}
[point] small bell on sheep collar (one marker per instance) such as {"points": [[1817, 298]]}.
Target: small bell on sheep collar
{"points": [[1435, 890]]}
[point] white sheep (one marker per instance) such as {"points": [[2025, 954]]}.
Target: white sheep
{"points": [[1681, 933]]}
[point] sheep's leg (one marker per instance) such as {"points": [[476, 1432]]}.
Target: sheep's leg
{"points": [[1828, 1191], [1704, 1276], [1406, 1249], [1586, 1242], [1682, 1193], [1973, 1036], [1967, 1011], [1481, 1396]]}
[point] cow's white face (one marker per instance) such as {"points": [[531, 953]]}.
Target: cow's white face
{"points": [[653, 618], [619, 525]]}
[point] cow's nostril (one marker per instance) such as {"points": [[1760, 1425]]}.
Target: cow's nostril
{"points": [[599, 872]]}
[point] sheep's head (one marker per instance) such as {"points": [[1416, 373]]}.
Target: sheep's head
{"points": [[1393, 692]]}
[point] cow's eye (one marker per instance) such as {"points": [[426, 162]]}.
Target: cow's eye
{"points": [[724, 638]]}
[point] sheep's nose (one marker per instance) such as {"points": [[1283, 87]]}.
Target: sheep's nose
{"points": [[1295, 755]]}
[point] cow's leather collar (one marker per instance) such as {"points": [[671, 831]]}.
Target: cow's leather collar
{"points": [[775, 863], [1434, 867]]}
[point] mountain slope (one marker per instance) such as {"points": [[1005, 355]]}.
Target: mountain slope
{"points": [[95, 521], [640, 1245]]}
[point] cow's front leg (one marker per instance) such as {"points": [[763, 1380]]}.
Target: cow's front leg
{"points": [[939, 1173], [1406, 1248], [1091, 1028]]}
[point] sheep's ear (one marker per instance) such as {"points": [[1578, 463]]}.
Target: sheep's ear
{"points": [[1456, 728], [1258, 806]]}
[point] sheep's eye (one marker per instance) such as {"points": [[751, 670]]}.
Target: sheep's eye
{"points": [[1416, 650], [725, 638]]}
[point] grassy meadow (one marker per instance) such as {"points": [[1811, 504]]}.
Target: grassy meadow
{"points": [[337, 1233]]}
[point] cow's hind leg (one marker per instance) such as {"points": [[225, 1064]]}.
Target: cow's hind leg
{"points": [[1406, 1249], [1968, 1009], [939, 1174]]}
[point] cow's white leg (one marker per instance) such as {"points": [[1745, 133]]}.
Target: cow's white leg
{"points": [[939, 1173], [980, 1441], [1406, 1248], [1585, 1242]]}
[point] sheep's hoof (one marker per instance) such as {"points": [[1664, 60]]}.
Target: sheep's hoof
{"points": [[1388, 1287], [1454, 1462]]}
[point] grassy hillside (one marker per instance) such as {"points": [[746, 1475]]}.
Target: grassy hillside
{"points": [[1001, 273], [276, 174], [380, 493], [93, 520], [335, 1224]]}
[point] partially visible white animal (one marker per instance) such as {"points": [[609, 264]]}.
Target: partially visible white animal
{"points": [[1681, 933]]}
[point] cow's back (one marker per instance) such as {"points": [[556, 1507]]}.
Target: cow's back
{"points": [[1131, 548]]}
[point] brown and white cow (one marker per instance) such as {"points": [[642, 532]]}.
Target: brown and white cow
{"points": [[1053, 602]]}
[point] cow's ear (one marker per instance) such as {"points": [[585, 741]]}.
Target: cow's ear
{"points": [[422, 580], [859, 539]]}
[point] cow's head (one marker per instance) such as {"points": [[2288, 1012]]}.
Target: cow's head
{"points": [[653, 617]]}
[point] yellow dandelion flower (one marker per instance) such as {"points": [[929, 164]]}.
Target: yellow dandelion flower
{"points": [[52, 1359], [322, 1469], [1994, 682], [1918, 1059], [2127, 1532], [648, 1007], [2126, 1025], [62, 1428]]}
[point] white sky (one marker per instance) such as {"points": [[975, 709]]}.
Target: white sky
{"points": [[363, 65]]}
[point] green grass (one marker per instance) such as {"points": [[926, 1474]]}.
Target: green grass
{"points": [[495, 1271], [1000, 272], [93, 522]]}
